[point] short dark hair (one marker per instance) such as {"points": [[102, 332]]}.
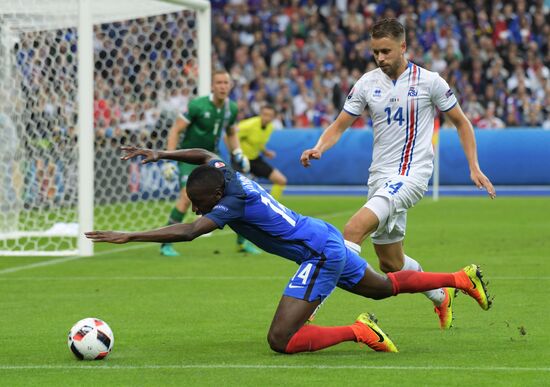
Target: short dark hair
{"points": [[206, 177], [220, 71], [387, 28], [268, 106]]}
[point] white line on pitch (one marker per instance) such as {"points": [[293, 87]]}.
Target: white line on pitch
{"points": [[154, 278], [273, 366], [66, 259], [135, 247], [202, 278]]}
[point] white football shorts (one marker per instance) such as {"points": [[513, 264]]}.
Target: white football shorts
{"points": [[400, 194]]}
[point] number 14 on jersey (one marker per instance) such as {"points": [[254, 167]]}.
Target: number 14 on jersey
{"points": [[397, 116]]}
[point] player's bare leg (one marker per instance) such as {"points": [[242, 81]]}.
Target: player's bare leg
{"points": [[183, 203], [290, 316], [391, 257], [373, 285], [363, 223]]}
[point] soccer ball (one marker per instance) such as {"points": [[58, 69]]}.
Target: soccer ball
{"points": [[169, 171], [91, 339]]}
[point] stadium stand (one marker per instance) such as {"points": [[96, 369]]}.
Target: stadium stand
{"points": [[305, 55]]}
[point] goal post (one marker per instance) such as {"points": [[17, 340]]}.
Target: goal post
{"points": [[79, 78], [85, 127]]}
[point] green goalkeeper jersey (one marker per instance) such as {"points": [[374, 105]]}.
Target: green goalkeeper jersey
{"points": [[206, 123]]}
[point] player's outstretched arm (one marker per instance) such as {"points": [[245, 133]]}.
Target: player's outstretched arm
{"points": [[330, 136], [180, 125], [192, 156], [182, 232], [468, 141]]}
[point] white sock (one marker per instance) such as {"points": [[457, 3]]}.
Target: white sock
{"points": [[353, 246], [437, 296]]}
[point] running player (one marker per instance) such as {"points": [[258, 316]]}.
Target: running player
{"points": [[206, 119], [401, 98], [254, 133], [225, 197]]}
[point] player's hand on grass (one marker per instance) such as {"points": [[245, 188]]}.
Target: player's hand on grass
{"points": [[108, 236], [149, 155], [308, 155], [482, 181]]}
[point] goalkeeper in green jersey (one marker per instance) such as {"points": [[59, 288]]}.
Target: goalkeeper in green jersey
{"points": [[206, 119]]}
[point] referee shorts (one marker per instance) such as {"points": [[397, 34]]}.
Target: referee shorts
{"points": [[260, 168]]}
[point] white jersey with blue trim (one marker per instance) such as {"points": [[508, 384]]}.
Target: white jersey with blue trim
{"points": [[402, 113]]}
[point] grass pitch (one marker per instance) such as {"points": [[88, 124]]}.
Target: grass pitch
{"points": [[202, 318]]}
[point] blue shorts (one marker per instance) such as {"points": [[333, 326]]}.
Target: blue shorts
{"points": [[317, 276]]}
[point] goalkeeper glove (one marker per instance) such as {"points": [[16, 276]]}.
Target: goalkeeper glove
{"points": [[239, 161]]}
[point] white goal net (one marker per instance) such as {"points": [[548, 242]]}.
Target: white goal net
{"points": [[79, 78]]}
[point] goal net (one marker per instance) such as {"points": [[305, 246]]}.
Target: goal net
{"points": [[78, 79]]}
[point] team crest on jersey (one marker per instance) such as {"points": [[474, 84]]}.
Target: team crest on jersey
{"points": [[351, 93], [219, 164], [377, 93], [413, 92]]}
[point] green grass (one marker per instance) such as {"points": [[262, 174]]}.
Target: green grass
{"points": [[202, 319]]}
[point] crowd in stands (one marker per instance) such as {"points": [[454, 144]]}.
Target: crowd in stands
{"points": [[304, 55]]}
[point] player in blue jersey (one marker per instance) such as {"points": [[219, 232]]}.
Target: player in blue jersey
{"points": [[225, 197]]}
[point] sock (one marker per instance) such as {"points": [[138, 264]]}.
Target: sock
{"points": [[240, 239], [277, 191], [409, 281], [175, 216], [462, 280], [353, 246], [311, 338], [437, 296]]}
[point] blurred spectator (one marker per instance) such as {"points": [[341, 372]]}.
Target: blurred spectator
{"points": [[492, 52], [301, 56], [489, 121]]}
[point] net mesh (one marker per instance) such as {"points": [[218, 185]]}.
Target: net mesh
{"points": [[145, 71]]}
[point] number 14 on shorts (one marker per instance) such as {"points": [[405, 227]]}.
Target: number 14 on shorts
{"points": [[303, 275], [394, 187]]}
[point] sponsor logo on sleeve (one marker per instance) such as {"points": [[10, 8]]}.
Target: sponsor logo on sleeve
{"points": [[449, 93], [221, 207], [350, 95], [219, 164]]}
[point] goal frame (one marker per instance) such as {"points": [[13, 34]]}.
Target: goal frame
{"points": [[85, 124]]}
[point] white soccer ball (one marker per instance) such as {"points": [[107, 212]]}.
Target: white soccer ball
{"points": [[91, 339], [169, 171]]}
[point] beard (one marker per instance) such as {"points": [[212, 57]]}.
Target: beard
{"points": [[391, 69]]}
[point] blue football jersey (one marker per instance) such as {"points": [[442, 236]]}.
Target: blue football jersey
{"points": [[253, 213]]}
